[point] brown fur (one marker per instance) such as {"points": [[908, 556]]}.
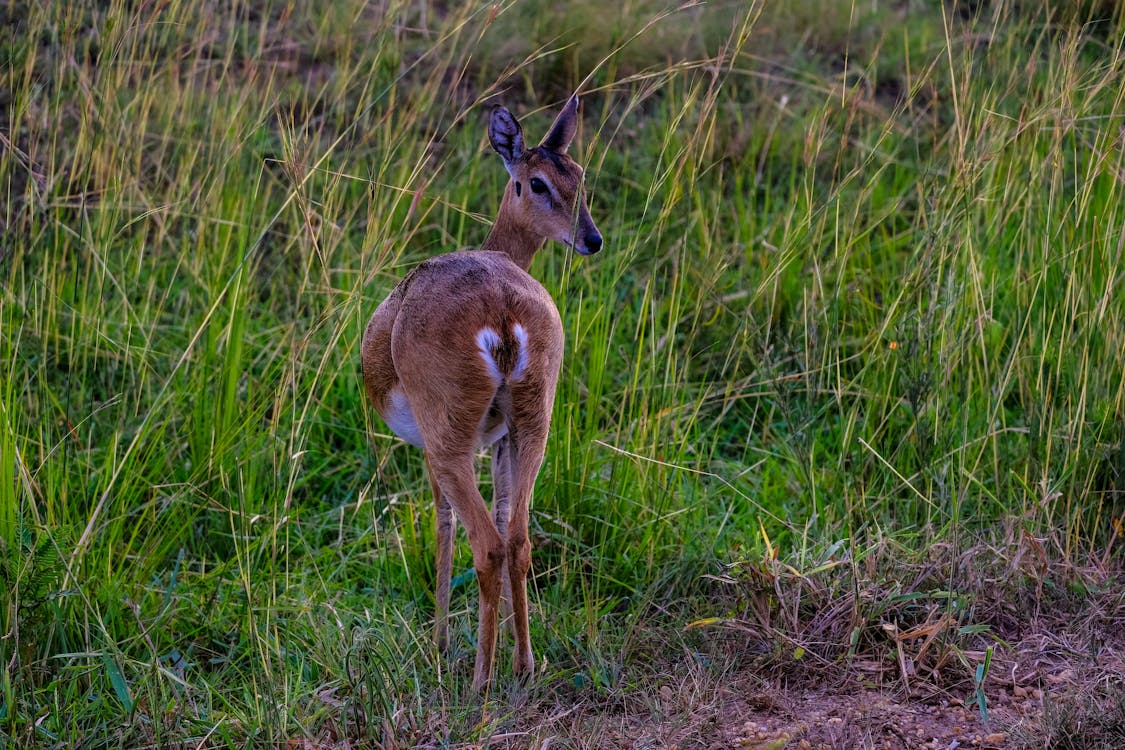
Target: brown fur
{"points": [[421, 347]]}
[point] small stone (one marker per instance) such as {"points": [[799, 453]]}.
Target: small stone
{"points": [[1067, 675]]}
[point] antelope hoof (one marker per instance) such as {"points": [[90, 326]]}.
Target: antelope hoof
{"points": [[524, 667]]}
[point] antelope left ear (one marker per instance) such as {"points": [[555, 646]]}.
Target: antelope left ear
{"points": [[562, 132], [506, 136]]}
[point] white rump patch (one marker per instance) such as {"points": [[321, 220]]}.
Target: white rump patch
{"points": [[400, 418], [522, 357], [487, 340]]}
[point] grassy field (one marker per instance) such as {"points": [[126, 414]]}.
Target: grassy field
{"points": [[851, 363]]}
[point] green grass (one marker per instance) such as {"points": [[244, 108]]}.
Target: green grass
{"points": [[861, 293]]}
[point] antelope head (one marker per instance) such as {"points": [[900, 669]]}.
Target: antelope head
{"points": [[546, 194]]}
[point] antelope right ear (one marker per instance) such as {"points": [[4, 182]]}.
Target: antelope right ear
{"points": [[506, 136], [562, 131]]}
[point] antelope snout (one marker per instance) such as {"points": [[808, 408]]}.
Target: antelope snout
{"points": [[591, 243]]}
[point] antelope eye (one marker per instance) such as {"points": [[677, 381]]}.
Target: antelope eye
{"points": [[538, 186]]}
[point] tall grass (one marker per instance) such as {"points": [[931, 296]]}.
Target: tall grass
{"points": [[861, 283]]}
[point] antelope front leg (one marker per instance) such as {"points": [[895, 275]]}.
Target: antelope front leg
{"points": [[502, 509], [444, 526]]}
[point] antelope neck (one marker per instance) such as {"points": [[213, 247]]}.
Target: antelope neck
{"points": [[509, 236]]}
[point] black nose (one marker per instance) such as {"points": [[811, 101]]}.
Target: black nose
{"points": [[593, 242]]}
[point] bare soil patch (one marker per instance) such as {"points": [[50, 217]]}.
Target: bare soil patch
{"points": [[1055, 704], [1055, 678]]}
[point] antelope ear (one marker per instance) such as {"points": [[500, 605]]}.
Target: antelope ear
{"points": [[562, 132], [506, 136]]}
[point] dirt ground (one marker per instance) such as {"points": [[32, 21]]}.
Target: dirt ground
{"points": [[1051, 668], [812, 720], [1044, 691]]}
